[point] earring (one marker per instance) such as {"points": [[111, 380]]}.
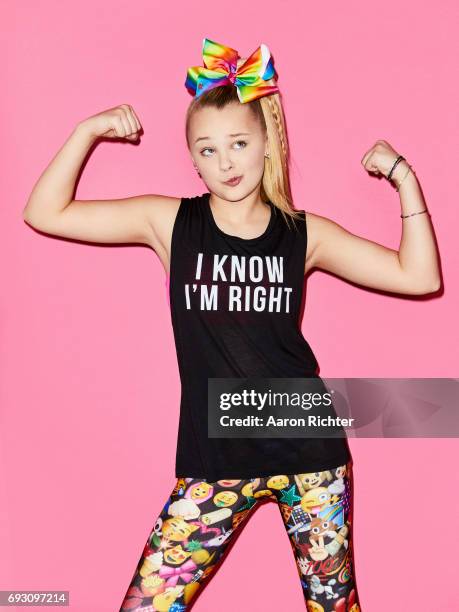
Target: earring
{"points": [[196, 168], [267, 155]]}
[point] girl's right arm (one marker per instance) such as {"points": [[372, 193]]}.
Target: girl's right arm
{"points": [[50, 208]]}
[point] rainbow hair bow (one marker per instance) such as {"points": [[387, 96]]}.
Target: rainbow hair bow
{"points": [[221, 68]]}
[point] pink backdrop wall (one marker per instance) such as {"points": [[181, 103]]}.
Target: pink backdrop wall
{"points": [[89, 382]]}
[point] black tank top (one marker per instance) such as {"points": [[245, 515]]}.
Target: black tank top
{"points": [[227, 328]]}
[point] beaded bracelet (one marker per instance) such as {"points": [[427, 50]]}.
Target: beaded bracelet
{"points": [[396, 162]]}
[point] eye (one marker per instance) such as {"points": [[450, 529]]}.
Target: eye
{"points": [[206, 149], [239, 144]]}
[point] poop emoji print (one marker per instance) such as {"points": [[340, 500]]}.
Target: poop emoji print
{"points": [[200, 518]]}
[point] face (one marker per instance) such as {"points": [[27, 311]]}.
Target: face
{"points": [[225, 143]]}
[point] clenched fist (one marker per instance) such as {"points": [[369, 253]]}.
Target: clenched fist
{"points": [[117, 122]]}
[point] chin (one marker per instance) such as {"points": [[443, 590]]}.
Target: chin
{"points": [[235, 194]]}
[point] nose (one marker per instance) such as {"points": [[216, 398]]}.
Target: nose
{"points": [[225, 163]]}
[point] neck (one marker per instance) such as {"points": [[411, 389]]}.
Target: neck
{"points": [[238, 210]]}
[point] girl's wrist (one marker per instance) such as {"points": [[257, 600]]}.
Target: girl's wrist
{"points": [[403, 175], [84, 131], [399, 172]]}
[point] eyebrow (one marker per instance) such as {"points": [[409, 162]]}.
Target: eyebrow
{"points": [[229, 136]]}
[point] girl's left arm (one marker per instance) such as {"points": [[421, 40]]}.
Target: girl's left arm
{"points": [[413, 269]]}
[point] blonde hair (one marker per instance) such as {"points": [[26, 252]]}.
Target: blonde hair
{"points": [[268, 110]]}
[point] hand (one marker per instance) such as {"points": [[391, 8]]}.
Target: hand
{"points": [[380, 158], [117, 122]]}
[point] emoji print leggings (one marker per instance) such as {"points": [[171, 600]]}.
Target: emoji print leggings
{"points": [[200, 518]]}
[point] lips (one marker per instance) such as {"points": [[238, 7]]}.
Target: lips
{"points": [[234, 181]]}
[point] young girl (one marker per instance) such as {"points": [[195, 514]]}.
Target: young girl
{"points": [[236, 257]]}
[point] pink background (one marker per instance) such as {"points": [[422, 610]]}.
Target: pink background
{"points": [[89, 381]]}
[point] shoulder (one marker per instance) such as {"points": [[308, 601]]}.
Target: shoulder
{"points": [[320, 230], [164, 211], [161, 212]]}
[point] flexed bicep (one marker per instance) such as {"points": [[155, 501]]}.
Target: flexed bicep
{"points": [[358, 259]]}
